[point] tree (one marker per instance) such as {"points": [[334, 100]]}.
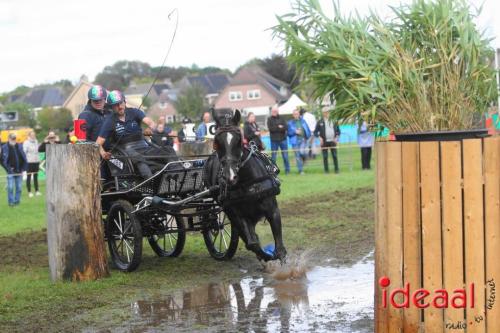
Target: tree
{"points": [[191, 102], [278, 67], [55, 119], [26, 117], [119, 75]]}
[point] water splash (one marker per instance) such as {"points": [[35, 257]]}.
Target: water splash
{"points": [[295, 268]]}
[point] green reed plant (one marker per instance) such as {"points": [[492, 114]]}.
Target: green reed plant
{"points": [[428, 68]]}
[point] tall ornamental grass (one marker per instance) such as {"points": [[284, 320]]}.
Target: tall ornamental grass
{"points": [[428, 68]]}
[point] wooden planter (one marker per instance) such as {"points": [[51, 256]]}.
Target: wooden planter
{"points": [[438, 226]]}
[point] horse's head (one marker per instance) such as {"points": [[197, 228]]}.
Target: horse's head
{"points": [[228, 143]]}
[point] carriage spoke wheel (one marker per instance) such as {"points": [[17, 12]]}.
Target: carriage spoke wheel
{"points": [[221, 238], [170, 242], [124, 235]]}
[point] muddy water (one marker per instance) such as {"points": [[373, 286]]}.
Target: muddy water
{"points": [[326, 299]]}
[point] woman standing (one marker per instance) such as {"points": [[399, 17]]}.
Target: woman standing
{"points": [[30, 147], [251, 131]]}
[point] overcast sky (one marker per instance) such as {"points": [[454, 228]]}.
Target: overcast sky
{"points": [[47, 40]]}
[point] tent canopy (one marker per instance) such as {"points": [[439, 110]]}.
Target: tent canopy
{"points": [[293, 102]]}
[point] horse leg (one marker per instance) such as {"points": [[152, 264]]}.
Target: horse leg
{"points": [[273, 215], [246, 228], [254, 242]]}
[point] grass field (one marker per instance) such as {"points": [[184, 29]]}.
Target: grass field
{"points": [[330, 215]]}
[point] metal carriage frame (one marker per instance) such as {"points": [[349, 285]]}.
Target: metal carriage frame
{"points": [[162, 209]]}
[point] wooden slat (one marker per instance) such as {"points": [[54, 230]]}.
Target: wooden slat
{"points": [[431, 231], [411, 230], [453, 267], [394, 231], [474, 230], [492, 227], [380, 236]]}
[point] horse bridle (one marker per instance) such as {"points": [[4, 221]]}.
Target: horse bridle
{"points": [[236, 130]]}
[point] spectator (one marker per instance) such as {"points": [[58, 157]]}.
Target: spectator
{"points": [[15, 163], [277, 130], [329, 133], [204, 127], [310, 120], [365, 142], [94, 112], [251, 131], [298, 132], [51, 138], [30, 147], [162, 134], [69, 133], [182, 133]]}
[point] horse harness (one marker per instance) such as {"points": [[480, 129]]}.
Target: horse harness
{"points": [[261, 186]]}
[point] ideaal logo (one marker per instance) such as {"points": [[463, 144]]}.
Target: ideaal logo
{"points": [[440, 298]]}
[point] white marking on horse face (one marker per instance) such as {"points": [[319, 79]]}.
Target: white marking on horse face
{"points": [[231, 174], [229, 138]]}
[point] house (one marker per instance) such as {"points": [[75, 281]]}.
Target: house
{"points": [[212, 84], [135, 93], [253, 90], [42, 97], [165, 107], [78, 98]]}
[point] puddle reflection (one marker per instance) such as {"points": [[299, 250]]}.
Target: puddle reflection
{"points": [[330, 299]]}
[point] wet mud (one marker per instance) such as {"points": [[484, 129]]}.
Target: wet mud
{"points": [[309, 299]]}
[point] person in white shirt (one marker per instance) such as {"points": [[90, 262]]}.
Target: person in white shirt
{"points": [[310, 120], [30, 147], [365, 142], [329, 133]]}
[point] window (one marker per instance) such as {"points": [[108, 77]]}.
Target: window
{"points": [[253, 94], [235, 96]]}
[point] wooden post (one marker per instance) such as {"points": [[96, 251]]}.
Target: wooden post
{"points": [[451, 190], [474, 231], [492, 230], [431, 231], [74, 221], [380, 236], [412, 235], [394, 231]]}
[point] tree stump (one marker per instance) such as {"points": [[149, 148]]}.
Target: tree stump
{"points": [[74, 220]]}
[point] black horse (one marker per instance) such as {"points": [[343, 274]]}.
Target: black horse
{"points": [[247, 188]]}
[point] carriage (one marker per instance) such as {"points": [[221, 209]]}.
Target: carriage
{"points": [[162, 209]]}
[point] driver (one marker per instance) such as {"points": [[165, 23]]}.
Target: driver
{"points": [[123, 126]]}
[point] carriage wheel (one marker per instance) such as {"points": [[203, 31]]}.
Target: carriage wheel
{"points": [[124, 235], [171, 242], [220, 238]]}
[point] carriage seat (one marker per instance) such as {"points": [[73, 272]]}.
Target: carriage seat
{"points": [[156, 157]]}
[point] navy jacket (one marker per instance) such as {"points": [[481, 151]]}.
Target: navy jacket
{"points": [[94, 120], [21, 161]]}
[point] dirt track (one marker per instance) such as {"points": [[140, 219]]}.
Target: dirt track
{"points": [[335, 229]]}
